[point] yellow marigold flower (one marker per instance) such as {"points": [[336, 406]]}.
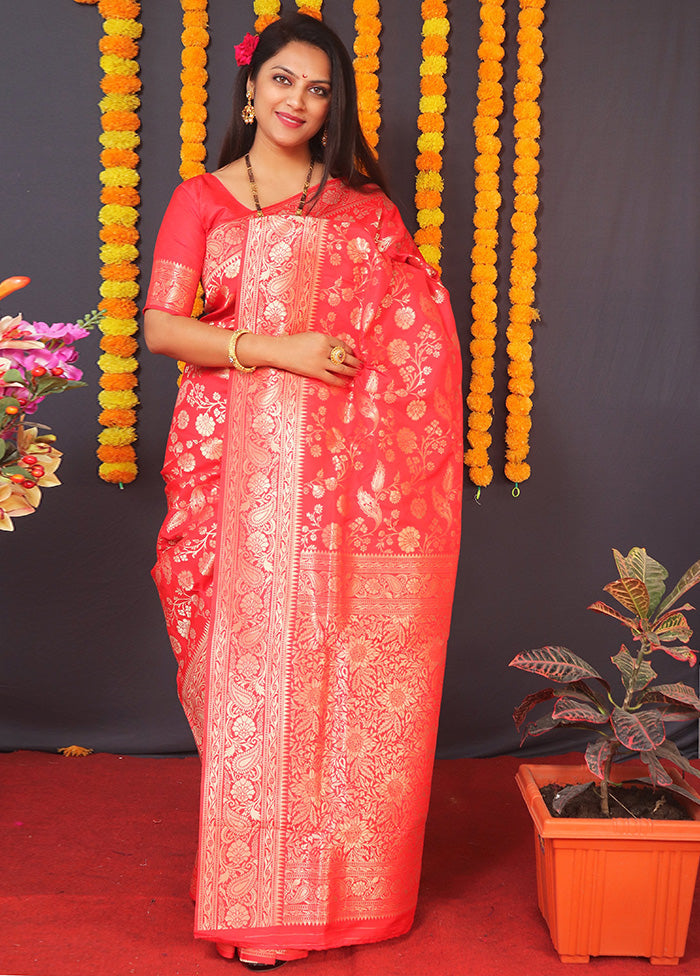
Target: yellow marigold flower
{"points": [[431, 254], [434, 64], [117, 399], [113, 65], [114, 214], [118, 326], [115, 253], [109, 363], [119, 289], [430, 180], [434, 216], [118, 473], [119, 176], [120, 140], [122, 27]]}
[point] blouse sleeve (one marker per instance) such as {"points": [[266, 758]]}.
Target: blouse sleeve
{"points": [[179, 254]]}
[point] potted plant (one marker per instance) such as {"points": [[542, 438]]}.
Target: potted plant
{"points": [[608, 885]]}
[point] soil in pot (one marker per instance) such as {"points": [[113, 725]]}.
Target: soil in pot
{"points": [[637, 802]]}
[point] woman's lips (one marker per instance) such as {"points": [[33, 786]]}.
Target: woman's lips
{"points": [[289, 120]]}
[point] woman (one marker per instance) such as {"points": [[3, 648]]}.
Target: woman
{"points": [[313, 471]]}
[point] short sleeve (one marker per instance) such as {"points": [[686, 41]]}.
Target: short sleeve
{"points": [[179, 254]]}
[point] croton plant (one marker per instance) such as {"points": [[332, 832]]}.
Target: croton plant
{"points": [[637, 723]]}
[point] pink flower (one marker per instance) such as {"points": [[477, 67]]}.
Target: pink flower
{"points": [[245, 50]]}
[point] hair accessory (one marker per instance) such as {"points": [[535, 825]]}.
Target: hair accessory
{"points": [[245, 50], [232, 357], [248, 112], [337, 355]]}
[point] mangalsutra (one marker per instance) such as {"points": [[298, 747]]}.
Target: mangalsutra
{"points": [[254, 188]]}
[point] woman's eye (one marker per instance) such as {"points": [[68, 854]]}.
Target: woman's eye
{"points": [[282, 78], [322, 92]]}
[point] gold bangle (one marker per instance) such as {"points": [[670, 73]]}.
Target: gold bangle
{"points": [[232, 357]]}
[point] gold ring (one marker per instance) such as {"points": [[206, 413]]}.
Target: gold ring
{"points": [[337, 355]]}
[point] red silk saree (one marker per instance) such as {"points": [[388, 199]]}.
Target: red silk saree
{"points": [[307, 562]]}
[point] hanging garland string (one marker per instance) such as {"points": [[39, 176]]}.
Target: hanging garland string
{"points": [[310, 7], [193, 94], [487, 202], [119, 253], [523, 257], [431, 123], [368, 27]]}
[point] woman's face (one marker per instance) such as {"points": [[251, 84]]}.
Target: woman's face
{"points": [[292, 94]]}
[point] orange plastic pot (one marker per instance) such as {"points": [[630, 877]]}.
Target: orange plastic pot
{"points": [[612, 887]]}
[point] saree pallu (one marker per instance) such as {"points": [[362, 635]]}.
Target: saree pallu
{"points": [[307, 565]]}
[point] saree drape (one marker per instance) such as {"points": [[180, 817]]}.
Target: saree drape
{"points": [[307, 562]]}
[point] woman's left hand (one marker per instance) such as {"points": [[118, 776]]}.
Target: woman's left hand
{"points": [[312, 354]]}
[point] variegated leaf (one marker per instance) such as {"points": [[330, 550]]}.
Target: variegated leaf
{"points": [[681, 653], [631, 593], [571, 710], [659, 776], [636, 674], [638, 732], [597, 755], [542, 725], [529, 702], [601, 607], [672, 626], [640, 565], [685, 583], [678, 692], [669, 750], [567, 794], [556, 663]]}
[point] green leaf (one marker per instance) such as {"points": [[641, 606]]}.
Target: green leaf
{"points": [[635, 674], [631, 593], [555, 663], [638, 564], [681, 653], [686, 582], [12, 376]]}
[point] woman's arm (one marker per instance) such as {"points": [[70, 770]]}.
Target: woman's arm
{"points": [[201, 344]]}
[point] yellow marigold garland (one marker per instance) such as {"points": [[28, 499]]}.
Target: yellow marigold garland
{"points": [[487, 203], [119, 252], [368, 27], [266, 11], [524, 258], [310, 7], [431, 123]]}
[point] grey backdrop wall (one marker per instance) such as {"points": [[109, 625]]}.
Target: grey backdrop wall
{"points": [[615, 438]]}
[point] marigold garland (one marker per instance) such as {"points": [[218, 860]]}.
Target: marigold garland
{"points": [[483, 255], [266, 11], [194, 77], [368, 27], [310, 7], [523, 257], [119, 252], [431, 123]]}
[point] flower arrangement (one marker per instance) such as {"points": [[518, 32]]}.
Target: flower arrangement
{"points": [[637, 724], [368, 27], [36, 360]]}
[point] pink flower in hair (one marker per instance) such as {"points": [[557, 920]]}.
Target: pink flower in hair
{"points": [[245, 50]]}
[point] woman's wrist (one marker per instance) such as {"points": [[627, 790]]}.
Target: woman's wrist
{"points": [[255, 350]]}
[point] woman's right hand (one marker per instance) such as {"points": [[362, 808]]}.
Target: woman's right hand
{"points": [[305, 353]]}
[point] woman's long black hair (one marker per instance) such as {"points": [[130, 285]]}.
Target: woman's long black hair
{"points": [[346, 153]]}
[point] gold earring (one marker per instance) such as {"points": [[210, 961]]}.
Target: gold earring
{"points": [[324, 138], [248, 113]]}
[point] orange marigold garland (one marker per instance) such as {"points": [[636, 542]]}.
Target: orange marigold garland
{"points": [[431, 122], [310, 7], [266, 11], [368, 27], [119, 253], [524, 257], [194, 77], [487, 203]]}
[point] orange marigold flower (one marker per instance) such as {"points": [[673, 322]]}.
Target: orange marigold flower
{"points": [[517, 472], [119, 345], [124, 271], [123, 47], [484, 315], [124, 196], [479, 439], [115, 417], [106, 452], [433, 85], [119, 9], [482, 347], [531, 73], [118, 381]]}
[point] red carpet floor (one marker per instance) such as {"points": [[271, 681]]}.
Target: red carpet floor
{"points": [[97, 855]]}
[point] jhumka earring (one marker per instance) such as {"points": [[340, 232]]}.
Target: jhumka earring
{"points": [[248, 113], [324, 138]]}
